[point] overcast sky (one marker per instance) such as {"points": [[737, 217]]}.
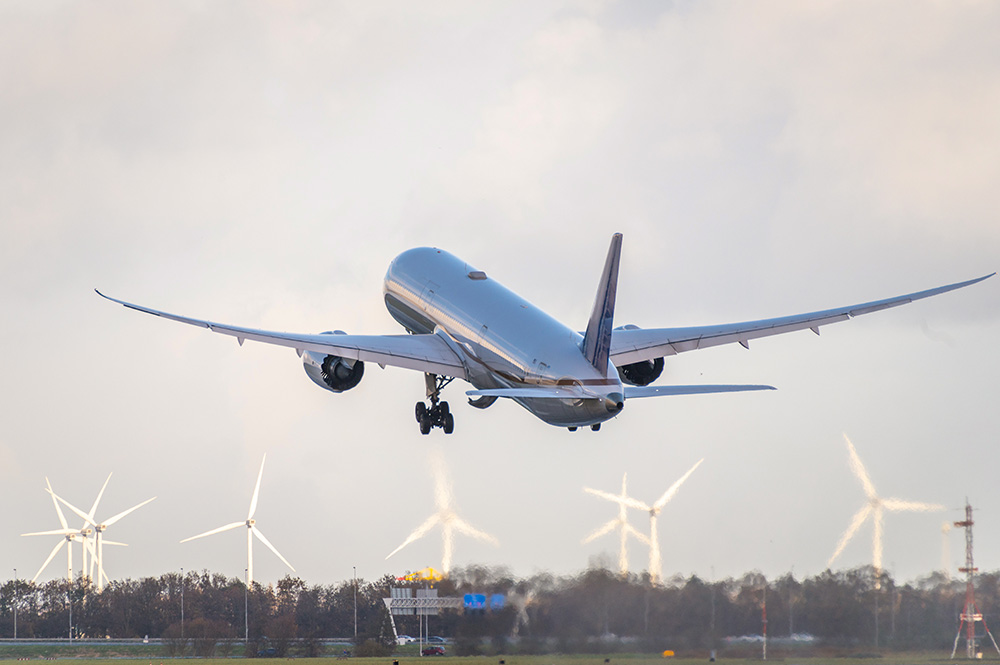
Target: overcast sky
{"points": [[262, 163]]}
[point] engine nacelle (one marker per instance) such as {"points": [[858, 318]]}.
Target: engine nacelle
{"points": [[641, 373], [333, 373]]}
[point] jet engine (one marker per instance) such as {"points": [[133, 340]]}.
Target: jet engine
{"points": [[641, 373], [333, 373]]}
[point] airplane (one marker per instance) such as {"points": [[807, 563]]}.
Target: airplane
{"points": [[463, 324]]}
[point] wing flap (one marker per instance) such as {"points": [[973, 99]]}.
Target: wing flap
{"points": [[635, 345], [423, 353]]}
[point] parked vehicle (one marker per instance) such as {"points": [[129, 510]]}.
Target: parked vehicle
{"points": [[433, 651]]}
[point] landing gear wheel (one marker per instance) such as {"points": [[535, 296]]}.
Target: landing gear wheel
{"points": [[438, 414], [571, 429], [596, 427]]}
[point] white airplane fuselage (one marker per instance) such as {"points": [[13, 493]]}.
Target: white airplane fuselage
{"points": [[503, 340]]}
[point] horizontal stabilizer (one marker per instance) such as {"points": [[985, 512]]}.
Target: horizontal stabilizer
{"points": [[658, 391], [538, 393]]}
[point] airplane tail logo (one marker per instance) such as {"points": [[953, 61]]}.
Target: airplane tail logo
{"points": [[597, 339]]}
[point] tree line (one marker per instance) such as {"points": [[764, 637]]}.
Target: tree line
{"points": [[597, 609]]}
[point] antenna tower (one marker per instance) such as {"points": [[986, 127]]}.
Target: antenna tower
{"points": [[970, 613]]}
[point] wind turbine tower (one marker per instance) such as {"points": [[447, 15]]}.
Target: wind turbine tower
{"points": [[970, 613]]}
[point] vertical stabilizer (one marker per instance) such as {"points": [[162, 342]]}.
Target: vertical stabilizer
{"points": [[597, 339]]}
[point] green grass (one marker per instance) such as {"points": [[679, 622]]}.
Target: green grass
{"points": [[136, 653]]}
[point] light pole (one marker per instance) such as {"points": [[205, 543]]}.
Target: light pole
{"points": [[182, 604], [355, 604], [15, 603], [246, 605]]}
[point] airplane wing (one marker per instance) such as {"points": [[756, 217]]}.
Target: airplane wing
{"points": [[424, 353], [635, 345]]}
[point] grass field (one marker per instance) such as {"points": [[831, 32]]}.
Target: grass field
{"points": [[621, 659], [121, 655]]}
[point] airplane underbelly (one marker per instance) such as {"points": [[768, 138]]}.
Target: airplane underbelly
{"points": [[567, 413]]}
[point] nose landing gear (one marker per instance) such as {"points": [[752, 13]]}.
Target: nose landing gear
{"points": [[437, 414]]}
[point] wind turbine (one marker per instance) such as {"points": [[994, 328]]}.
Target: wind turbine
{"points": [[99, 528], [252, 530], [69, 536], [655, 560], [621, 522], [445, 516], [874, 507]]}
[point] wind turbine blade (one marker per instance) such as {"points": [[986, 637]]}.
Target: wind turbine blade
{"points": [[856, 522], [859, 470], [90, 548], [55, 532], [76, 510], [111, 542], [271, 547], [469, 530], [418, 533], [213, 531], [896, 505], [59, 512], [122, 514], [93, 508], [600, 531], [638, 535], [672, 490], [625, 501], [52, 555], [256, 489]]}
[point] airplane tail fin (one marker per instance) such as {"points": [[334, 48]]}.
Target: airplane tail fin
{"points": [[597, 339]]}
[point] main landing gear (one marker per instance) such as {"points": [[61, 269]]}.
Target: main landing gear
{"points": [[437, 414], [595, 427]]}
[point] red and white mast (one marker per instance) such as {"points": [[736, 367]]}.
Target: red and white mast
{"points": [[970, 613]]}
